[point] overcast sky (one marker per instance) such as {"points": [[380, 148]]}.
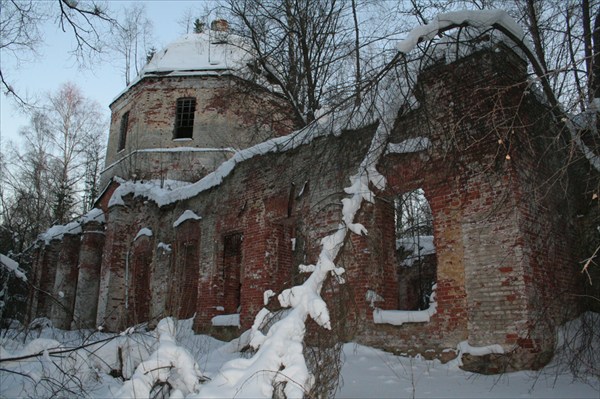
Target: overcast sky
{"points": [[55, 66]]}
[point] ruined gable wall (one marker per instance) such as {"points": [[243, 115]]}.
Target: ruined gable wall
{"points": [[270, 200], [467, 184], [500, 248]]}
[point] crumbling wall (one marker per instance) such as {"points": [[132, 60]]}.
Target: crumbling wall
{"points": [[500, 247], [500, 251]]}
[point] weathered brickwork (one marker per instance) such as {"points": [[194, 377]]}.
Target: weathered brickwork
{"points": [[65, 282], [231, 113], [501, 235], [88, 279]]}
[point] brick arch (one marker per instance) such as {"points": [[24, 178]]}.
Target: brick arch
{"points": [[408, 172], [416, 276]]}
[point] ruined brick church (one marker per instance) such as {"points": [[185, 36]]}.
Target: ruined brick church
{"points": [[182, 230]]}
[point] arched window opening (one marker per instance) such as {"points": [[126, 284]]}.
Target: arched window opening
{"points": [[415, 250]]}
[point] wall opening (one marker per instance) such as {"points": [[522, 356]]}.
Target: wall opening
{"points": [[123, 131], [415, 250], [184, 118], [232, 268]]}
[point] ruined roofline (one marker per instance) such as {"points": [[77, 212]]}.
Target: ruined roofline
{"points": [[215, 178], [348, 118], [333, 124], [58, 231]]}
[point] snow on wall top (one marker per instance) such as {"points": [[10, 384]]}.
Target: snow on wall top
{"points": [[185, 216], [169, 193], [144, 232], [474, 18], [57, 232], [94, 215]]}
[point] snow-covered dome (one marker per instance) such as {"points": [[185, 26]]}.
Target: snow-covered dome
{"points": [[197, 53], [212, 52]]}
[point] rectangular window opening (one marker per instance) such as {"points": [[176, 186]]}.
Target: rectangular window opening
{"points": [[123, 131], [232, 265], [184, 118]]}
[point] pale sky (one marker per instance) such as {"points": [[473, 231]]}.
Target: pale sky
{"points": [[55, 66]]}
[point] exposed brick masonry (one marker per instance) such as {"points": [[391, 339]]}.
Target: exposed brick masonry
{"points": [[502, 249]]}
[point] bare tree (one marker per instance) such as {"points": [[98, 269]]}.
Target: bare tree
{"points": [[75, 123], [54, 175], [299, 45], [317, 52], [131, 39], [186, 21], [196, 19], [25, 178], [20, 35]]}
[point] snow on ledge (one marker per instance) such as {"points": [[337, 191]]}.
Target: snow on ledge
{"points": [[57, 232], [226, 320], [186, 215], [416, 144], [399, 317], [143, 232], [94, 215], [464, 347], [150, 189], [13, 266], [166, 248], [475, 18]]}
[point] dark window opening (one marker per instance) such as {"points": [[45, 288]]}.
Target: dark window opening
{"points": [[123, 131], [417, 263], [232, 265], [184, 118]]}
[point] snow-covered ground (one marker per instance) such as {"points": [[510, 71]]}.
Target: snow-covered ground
{"points": [[367, 372], [371, 373]]}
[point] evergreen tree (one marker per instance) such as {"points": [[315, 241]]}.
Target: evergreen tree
{"points": [[199, 26], [150, 53]]}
